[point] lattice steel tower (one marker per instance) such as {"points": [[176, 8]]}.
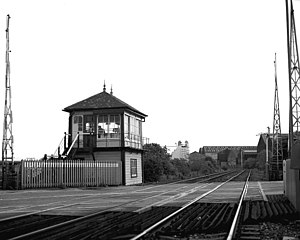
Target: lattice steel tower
{"points": [[277, 150], [7, 143], [294, 86]]}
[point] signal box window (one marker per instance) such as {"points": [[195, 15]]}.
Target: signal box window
{"points": [[133, 168], [78, 121], [109, 126]]}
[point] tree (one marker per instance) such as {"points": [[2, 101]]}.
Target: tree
{"points": [[201, 164], [182, 167], [211, 162], [250, 163], [156, 162]]}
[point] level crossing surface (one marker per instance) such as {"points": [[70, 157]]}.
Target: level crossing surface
{"points": [[78, 202]]}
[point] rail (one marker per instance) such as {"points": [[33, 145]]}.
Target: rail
{"points": [[238, 211]]}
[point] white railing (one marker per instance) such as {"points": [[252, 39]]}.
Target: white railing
{"points": [[105, 140]]}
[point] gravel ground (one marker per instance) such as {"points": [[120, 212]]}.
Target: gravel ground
{"points": [[276, 231]]}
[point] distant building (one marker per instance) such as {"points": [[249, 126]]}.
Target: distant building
{"points": [[228, 158], [275, 168], [229, 155], [182, 151], [263, 139]]}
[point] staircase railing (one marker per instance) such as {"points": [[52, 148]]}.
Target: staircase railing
{"points": [[72, 145]]}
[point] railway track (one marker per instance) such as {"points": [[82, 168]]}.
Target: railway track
{"points": [[108, 216], [159, 220]]}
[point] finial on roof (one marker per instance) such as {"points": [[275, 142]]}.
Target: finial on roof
{"points": [[104, 87], [111, 90]]}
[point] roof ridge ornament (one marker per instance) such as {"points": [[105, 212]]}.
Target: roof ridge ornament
{"points": [[104, 86], [111, 90]]}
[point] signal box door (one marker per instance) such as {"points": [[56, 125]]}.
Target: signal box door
{"points": [[89, 131]]}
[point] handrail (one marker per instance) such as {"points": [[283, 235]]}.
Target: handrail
{"points": [[238, 211], [61, 145], [72, 144]]}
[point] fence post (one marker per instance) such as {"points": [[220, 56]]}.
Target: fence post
{"points": [[61, 163], [22, 174]]}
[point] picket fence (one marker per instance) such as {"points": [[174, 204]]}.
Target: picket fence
{"points": [[69, 173]]}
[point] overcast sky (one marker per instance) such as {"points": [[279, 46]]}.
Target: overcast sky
{"points": [[202, 71]]}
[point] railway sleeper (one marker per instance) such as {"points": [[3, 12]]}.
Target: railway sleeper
{"points": [[198, 236], [115, 225], [274, 209], [246, 210], [148, 222], [199, 220], [249, 232], [21, 224], [222, 222], [230, 213], [218, 218], [28, 226], [269, 210], [214, 222], [263, 211], [291, 208], [98, 225], [279, 208], [185, 220], [210, 214], [255, 214], [195, 225]]}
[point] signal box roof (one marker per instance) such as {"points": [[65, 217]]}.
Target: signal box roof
{"points": [[102, 101]]}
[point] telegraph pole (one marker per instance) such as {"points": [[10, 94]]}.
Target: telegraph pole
{"points": [[7, 143]]}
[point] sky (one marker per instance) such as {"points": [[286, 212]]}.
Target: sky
{"points": [[203, 71]]}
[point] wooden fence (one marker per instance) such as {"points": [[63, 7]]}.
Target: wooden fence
{"points": [[69, 173]]}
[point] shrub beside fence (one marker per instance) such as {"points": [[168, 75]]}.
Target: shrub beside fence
{"points": [[69, 173]]}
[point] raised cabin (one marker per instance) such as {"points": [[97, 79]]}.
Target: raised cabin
{"points": [[102, 127]]}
